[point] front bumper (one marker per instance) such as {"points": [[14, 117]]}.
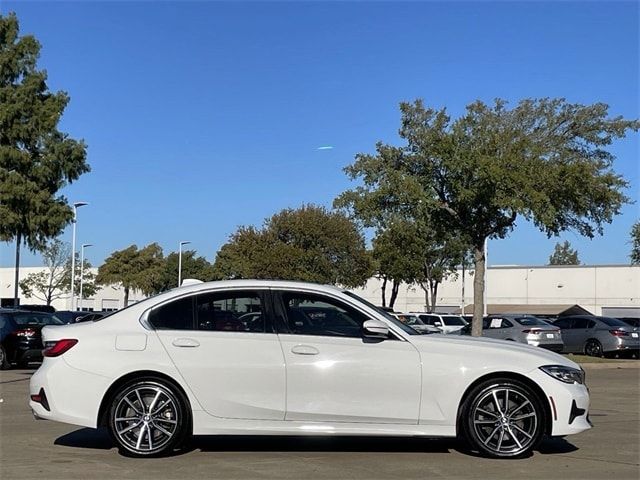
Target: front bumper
{"points": [[569, 404]]}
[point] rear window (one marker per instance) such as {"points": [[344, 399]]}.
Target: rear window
{"points": [[612, 322], [529, 321], [34, 318], [453, 320]]}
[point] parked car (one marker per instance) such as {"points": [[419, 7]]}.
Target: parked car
{"points": [[92, 316], [165, 368], [446, 323], [68, 316], [524, 329], [598, 336], [20, 339], [418, 325]]}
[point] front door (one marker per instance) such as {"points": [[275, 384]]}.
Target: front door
{"points": [[224, 346], [336, 375]]}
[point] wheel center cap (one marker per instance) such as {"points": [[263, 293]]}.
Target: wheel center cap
{"points": [[146, 418]]}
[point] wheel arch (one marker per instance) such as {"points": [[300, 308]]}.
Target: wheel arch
{"points": [[103, 411], [542, 397]]}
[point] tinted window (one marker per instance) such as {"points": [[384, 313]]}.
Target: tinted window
{"points": [[580, 323], [176, 315], [391, 318], [563, 323], [612, 322], [506, 323], [34, 318], [309, 314], [529, 321], [454, 321], [236, 311]]}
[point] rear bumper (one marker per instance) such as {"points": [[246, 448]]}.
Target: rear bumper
{"points": [[73, 395], [554, 347]]}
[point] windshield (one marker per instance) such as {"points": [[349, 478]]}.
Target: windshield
{"points": [[612, 322], [454, 320], [391, 318], [529, 321]]}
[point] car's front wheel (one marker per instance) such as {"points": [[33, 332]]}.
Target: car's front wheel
{"points": [[4, 361], [148, 417], [502, 418]]}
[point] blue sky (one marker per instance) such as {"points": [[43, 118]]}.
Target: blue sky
{"points": [[204, 116]]}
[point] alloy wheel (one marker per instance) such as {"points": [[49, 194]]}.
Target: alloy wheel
{"points": [[505, 421], [593, 348], [146, 418]]}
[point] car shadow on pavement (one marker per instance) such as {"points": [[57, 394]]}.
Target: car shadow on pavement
{"points": [[86, 438], [100, 439]]}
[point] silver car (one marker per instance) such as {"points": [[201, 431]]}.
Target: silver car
{"points": [[524, 329], [598, 336]]}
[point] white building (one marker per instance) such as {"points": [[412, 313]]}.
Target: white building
{"points": [[600, 289], [106, 298]]}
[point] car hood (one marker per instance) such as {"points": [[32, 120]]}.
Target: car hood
{"points": [[490, 351]]}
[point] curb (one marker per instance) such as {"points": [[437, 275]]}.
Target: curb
{"points": [[601, 366]]}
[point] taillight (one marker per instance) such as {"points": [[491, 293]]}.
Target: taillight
{"points": [[619, 333], [25, 332], [533, 331], [59, 347]]}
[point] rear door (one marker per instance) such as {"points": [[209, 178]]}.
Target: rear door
{"points": [[226, 349]]}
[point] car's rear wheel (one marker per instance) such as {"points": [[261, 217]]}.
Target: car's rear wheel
{"points": [[593, 348], [148, 417], [503, 418]]}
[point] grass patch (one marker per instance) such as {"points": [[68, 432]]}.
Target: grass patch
{"points": [[587, 359]]}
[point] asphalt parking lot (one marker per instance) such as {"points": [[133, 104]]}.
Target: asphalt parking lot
{"points": [[48, 450]]}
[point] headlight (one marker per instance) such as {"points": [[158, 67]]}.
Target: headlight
{"points": [[564, 374]]}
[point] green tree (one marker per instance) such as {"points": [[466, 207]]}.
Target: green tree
{"points": [[563, 254], [309, 244], [411, 252], [635, 244], [36, 159], [55, 280], [192, 267], [394, 258], [134, 269], [545, 160]]}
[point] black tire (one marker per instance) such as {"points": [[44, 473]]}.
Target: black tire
{"points": [[157, 428], [4, 361], [496, 433], [593, 348]]}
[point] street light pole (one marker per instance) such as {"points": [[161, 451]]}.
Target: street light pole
{"points": [[180, 261], [73, 251], [84, 245]]}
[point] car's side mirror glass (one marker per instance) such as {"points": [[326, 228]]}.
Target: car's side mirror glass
{"points": [[375, 329]]}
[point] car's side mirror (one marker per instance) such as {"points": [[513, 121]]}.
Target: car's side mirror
{"points": [[375, 329], [438, 324]]}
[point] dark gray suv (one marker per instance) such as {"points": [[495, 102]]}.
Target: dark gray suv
{"points": [[598, 336]]}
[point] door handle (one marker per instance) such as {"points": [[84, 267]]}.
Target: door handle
{"points": [[185, 342], [305, 350]]}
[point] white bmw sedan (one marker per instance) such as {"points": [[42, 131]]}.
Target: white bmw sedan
{"points": [[272, 357]]}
